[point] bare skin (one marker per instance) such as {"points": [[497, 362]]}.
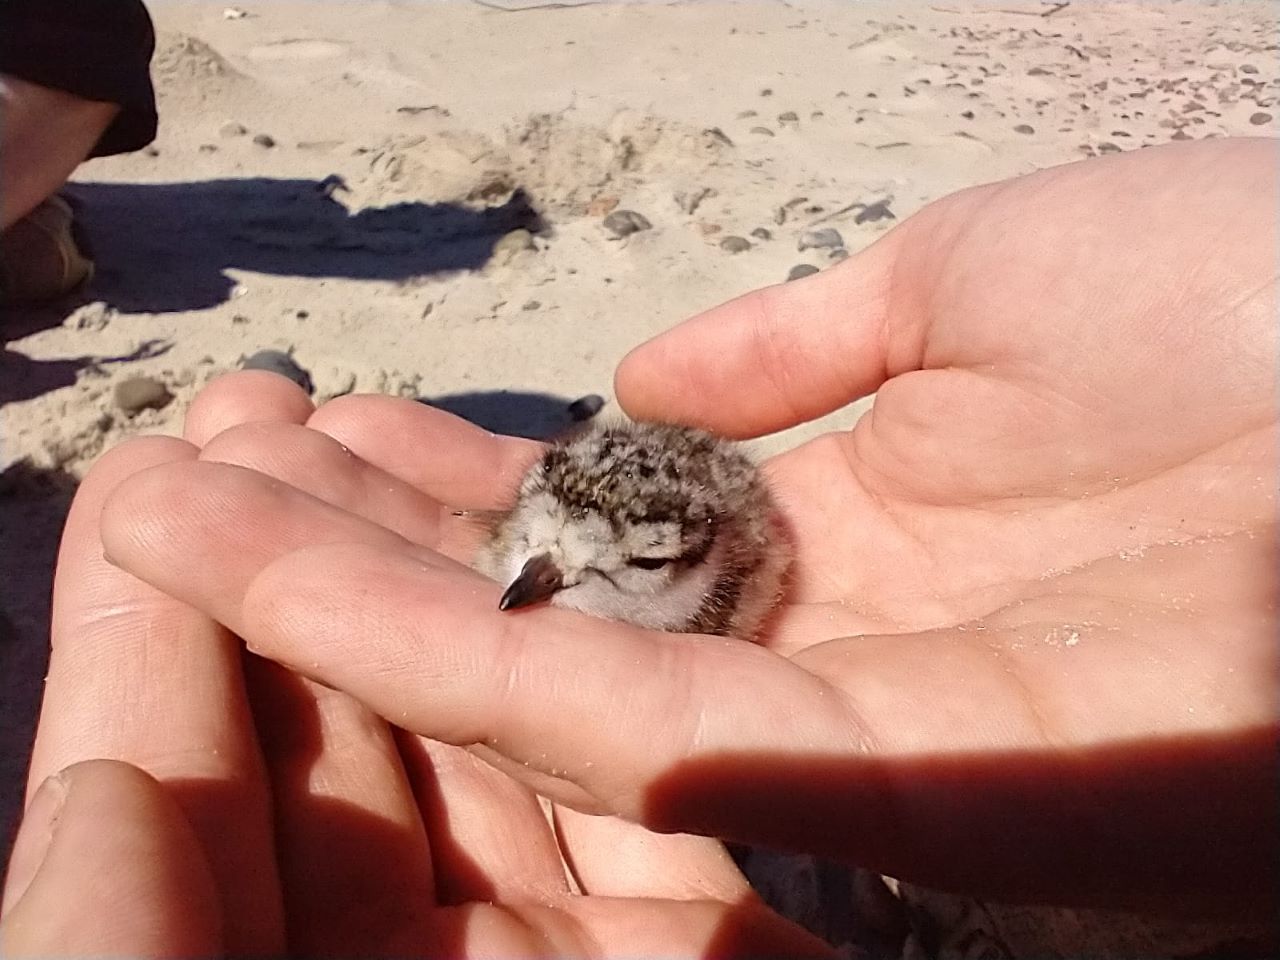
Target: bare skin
{"points": [[1028, 651], [379, 844], [46, 135]]}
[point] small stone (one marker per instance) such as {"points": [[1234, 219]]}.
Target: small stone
{"points": [[1259, 118], [1024, 128], [151, 152], [264, 140], [967, 114], [531, 305], [689, 200], [1248, 68], [511, 245], [789, 117], [763, 131], [623, 223], [822, 239], [760, 233], [747, 114], [141, 393], [1180, 134], [584, 408], [735, 244], [601, 205], [801, 270], [278, 362], [715, 133], [232, 129], [875, 211], [1108, 147], [1038, 72], [207, 148], [93, 316], [302, 314], [239, 318], [838, 254], [707, 229], [766, 92]]}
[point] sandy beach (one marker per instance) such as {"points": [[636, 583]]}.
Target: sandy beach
{"points": [[485, 205]]}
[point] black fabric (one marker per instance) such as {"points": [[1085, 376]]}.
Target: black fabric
{"points": [[95, 49]]}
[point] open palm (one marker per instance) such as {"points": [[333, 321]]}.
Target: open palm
{"points": [[1028, 649]]}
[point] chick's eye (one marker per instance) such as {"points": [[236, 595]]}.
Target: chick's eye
{"points": [[649, 563]]}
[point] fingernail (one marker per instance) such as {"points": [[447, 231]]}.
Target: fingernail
{"points": [[35, 836]]}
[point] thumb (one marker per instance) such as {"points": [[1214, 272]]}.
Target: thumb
{"points": [[106, 864], [775, 357]]}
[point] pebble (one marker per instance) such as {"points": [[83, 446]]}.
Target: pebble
{"points": [[735, 244], [1038, 72], [1248, 68], [760, 233], [801, 270], [789, 117], [601, 205], [207, 148], [94, 316], [532, 305], [151, 152], [141, 393], [623, 223], [264, 140], [689, 200], [584, 408], [232, 129], [824, 238], [763, 131], [1259, 118], [276, 361], [1024, 128], [746, 114], [511, 245], [706, 229], [838, 254], [875, 211]]}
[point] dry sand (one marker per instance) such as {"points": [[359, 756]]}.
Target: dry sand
{"points": [[331, 179]]}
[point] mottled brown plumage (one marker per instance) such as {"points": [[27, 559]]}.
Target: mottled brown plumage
{"points": [[666, 527]]}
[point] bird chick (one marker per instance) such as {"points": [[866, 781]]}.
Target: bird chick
{"points": [[661, 526]]}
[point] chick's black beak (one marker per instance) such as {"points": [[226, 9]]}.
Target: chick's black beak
{"points": [[539, 579]]}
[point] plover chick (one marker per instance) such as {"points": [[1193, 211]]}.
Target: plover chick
{"points": [[661, 526]]}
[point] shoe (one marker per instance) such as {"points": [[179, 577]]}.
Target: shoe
{"points": [[41, 258]]}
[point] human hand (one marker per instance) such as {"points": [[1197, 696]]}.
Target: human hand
{"points": [[1028, 651], [243, 810]]}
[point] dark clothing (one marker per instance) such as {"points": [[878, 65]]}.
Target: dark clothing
{"points": [[94, 49]]}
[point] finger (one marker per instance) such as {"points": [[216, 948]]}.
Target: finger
{"points": [[105, 864], [490, 840], [137, 676], [355, 864], [246, 396], [314, 462], [444, 456], [776, 357], [613, 858]]}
